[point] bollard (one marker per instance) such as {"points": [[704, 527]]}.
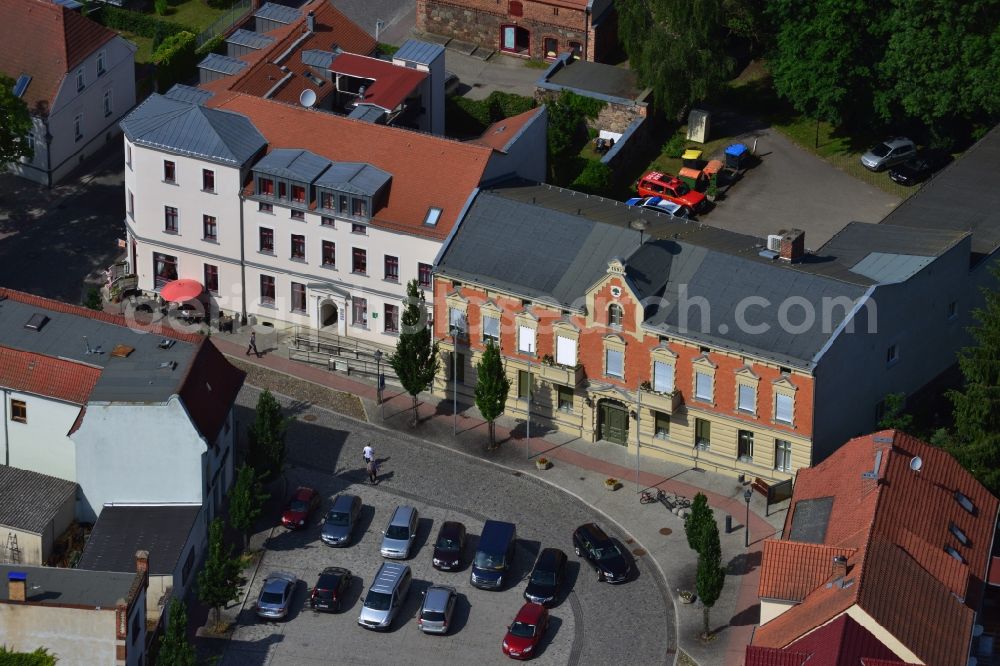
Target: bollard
{"points": [[729, 524]]}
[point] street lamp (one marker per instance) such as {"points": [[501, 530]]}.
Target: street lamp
{"points": [[454, 379], [379, 379], [527, 422], [747, 494]]}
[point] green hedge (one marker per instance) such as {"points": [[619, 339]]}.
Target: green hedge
{"points": [[143, 25], [175, 59], [469, 117], [214, 45], [594, 179]]}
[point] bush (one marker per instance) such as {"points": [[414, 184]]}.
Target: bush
{"points": [[504, 105], [214, 45], [143, 25], [469, 117], [93, 299], [674, 148], [160, 6], [175, 59], [594, 179]]}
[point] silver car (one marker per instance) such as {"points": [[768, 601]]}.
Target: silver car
{"points": [[436, 611], [888, 153], [386, 596], [276, 595], [400, 533], [338, 526]]}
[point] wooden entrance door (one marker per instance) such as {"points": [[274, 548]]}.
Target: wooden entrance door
{"points": [[613, 424]]}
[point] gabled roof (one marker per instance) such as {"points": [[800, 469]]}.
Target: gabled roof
{"points": [[354, 177], [29, 500], [189, 128], [209, 390], [427, 171], [391, 84], [120, 531], [38, 374], [46, 41], [796, 569], [900, 514], [842, 642], [292, 164], [501, 134]]}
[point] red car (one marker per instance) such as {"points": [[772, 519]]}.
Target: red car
{"points": [[526, 631], [671, 188], [303, 503]]}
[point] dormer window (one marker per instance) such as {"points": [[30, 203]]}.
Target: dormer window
{"points": [[265, 187], [298, 194], [433, 215], [360, 207]]}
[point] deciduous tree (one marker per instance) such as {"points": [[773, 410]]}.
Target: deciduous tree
{"points": [[893, 415], [415, 359], [266, 451], [174, 647], [15, 124], [492, 387], [698, 522], [711, 577], [219, 578], [246, 501]]}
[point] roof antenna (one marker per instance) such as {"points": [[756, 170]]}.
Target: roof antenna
{"points": [[87, 342]]}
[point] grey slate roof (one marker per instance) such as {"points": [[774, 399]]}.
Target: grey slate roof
{"points": [[368, 113], [250, 39], [857, 240], [277, 13], [810, 520], [135, 379], [595, 77], [185, 128], [122, 530], [517, 240], [59, 587], [292, 164], [29, 500], [962, 197], [216, 62], [183, 93], [419, 52], [354, 177], [317, 58]]}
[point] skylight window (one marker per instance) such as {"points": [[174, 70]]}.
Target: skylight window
{"points": [[954, 553], [965, 502], [21, 85], [959, 534], [433, 215]]}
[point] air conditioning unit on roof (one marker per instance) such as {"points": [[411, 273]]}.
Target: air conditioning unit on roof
{"points": [[774, 242]]}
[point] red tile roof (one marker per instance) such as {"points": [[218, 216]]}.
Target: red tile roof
{"points": [[45, 40], [332, 29], [392, 83], [900, 522], [792, 570], [209, 390], [761, 656], [427, 171], [38, 374], [842, 642], [499, 135]]}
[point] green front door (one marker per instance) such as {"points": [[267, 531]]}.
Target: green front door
{"points": [[614, 423]]}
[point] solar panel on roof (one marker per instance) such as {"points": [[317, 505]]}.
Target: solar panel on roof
{"points": [[21, 85]]}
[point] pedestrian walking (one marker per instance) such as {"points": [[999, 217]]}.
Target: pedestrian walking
{"points": [[252, 347], [369, 453], [373, 471]]}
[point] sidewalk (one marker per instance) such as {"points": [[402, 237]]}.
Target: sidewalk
{"points": [[579, 468]]}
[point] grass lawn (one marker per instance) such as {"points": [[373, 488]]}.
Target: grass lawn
{"points": [[144, 53], [195, 15]]}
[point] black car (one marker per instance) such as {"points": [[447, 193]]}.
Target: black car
{"points": [[590, 542], [919, 168], [449, 546], [329, 591], [546, 577]]}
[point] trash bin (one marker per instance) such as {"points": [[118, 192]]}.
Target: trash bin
{"points": [[693, 177], [736, 155]]}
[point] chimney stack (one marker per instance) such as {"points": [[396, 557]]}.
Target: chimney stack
{"points": [[839, 567], [17, 584], [142, 561], [793, 245], [311, 21]]}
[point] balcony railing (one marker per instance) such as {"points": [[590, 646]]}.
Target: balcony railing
{"points": [[667, 403], [562, 374]]}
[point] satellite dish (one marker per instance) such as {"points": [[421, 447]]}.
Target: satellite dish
{"points": [[916, 463], [307, 98]]}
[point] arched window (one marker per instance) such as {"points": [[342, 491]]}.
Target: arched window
{"points": [[614, 315], [515, 8]]}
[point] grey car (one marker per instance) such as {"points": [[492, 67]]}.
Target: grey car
{"points": [[436, 611], [400, 533], [276, 595], [889, 153], [338, 526]]}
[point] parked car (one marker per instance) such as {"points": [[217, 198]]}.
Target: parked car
{"points": [[330, 588], [494, 556], [449, 546], [399, 534], [386, 596], [546, 577], [435, 612], [526, 631], [919, 168], [338, 526], [660, 205], [591, 543], [671, 188], [300, 507], [889, 152], [276, 595]]}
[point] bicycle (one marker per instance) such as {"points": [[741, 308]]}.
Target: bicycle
{"points": [[649, 498]]}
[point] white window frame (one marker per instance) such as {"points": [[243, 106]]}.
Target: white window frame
{"points": [[102, 62], [778, 411], [566, 351], [782, 455], [621, 362], [109, 103], [81, 79], [495, 326], [526, 339], [456, 320], [663, 377], [698, 393], [749, 406], [78, 127]]}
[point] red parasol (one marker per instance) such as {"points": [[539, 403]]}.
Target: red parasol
{"points": [[181, 291]]}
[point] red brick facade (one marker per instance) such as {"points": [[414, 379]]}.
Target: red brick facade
{"points": [[594, 338], [482, 22]]}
